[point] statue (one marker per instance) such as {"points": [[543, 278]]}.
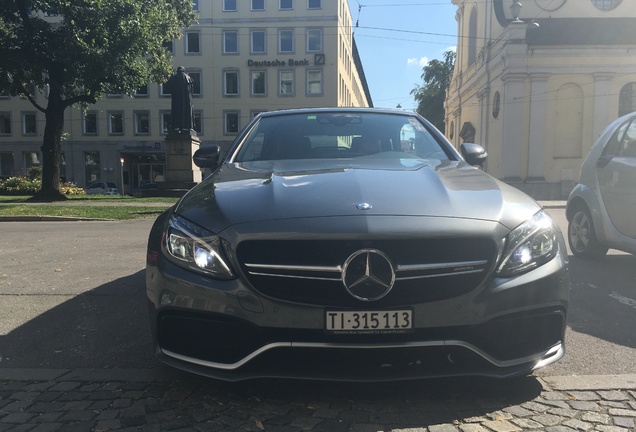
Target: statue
{"points": [[180, 86]]}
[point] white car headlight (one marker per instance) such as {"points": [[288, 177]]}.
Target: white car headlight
{"points": [[196, 248], [530, 245]]}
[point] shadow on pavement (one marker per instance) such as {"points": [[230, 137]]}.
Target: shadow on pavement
{"points": [[602, 300], [106, 327]]}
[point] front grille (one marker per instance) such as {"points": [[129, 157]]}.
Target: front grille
{"points": [[310, 271]]}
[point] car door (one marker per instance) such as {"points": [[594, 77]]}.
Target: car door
{"points": [[616, 172]]}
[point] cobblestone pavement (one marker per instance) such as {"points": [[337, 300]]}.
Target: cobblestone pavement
{"points": [[161, 400]]}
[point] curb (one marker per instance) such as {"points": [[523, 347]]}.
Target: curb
{"points": [[49, 219], [590, 382]]}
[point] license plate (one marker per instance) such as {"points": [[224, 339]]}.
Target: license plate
{"points": [[355, 322]]}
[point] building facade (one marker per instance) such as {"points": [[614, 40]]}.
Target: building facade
{"points": [[244, 56], [536, 84]]}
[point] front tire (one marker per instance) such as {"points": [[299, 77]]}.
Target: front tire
{"points": [[582, 236]]}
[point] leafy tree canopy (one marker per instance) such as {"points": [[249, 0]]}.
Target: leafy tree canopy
{"points": [[79, 50], [430, 97]]}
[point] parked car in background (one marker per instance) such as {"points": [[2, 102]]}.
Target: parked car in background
{"points": [[101, 187], [601, 209], [322, 247]]}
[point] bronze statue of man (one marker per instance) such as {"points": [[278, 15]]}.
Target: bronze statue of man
{"points": [[180, 86]]}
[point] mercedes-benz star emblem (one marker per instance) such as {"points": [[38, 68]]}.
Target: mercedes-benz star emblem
{"points": [[368, 274]]}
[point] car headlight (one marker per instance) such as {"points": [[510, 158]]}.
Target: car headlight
{"points": [[191, 246], [530, 245]]}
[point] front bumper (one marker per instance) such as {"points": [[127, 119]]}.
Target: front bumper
{"points": [[190, 349], [506, 328]]}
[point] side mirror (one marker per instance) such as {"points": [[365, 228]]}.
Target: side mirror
{"points": [[474, 154], [207, 157]]}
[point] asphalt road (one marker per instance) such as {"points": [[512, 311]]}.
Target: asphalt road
{"points": [[72, 296]]}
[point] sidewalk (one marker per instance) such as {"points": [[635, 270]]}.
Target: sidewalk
{"points": [[162, 399]]}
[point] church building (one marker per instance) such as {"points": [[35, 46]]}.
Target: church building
{"points": [[536, 83]]}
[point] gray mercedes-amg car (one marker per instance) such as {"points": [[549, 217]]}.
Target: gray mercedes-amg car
{"points": [[354, 244]]}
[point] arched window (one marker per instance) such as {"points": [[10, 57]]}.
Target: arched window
{"points": [[606, 4], [472, 37], [627, 99]]}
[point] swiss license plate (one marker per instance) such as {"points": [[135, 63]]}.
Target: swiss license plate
{"points": [[355, 322]]}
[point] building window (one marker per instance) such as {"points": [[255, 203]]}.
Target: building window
{"points": [[258, 5], [163, 90], [197, 122], [314, 4], [314, 83], [166, 121], [314, 40], [230, 42], [62, 167], [627, 99], [193, 43], [91, 166], [195, 5], [5, 123], [196, 82], [29, 123], [259, 83], [231, 120], [90, 123], [496, 105], [286, 41], [606, 4], [286, 4], [142, 91], [229, 5], [286, 83], [258, 45], [31, 159], [116, 123], [7, 165], [142, 123], [230, 83]]}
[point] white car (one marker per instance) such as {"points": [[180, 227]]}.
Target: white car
{"points": [[101, 187], [601, 209]]}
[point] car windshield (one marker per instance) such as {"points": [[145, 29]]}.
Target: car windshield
{"points": [[339, 135]]}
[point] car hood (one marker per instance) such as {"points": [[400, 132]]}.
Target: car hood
{"points": [[241, 193]]}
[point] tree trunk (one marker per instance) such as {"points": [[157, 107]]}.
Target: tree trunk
{"points": [[52, 150]]}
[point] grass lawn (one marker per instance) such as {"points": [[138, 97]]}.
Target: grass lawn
{"points": [[87, 206]]}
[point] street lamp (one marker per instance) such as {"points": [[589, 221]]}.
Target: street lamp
{"points": [[121, 161]]}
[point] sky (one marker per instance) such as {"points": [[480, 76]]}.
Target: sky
{"points": [[396, 39]]}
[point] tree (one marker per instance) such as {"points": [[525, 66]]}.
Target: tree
{"points": [[78, 50], [430, 97]]}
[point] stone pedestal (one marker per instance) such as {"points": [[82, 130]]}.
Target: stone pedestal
{"points": [[181, 173]]}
